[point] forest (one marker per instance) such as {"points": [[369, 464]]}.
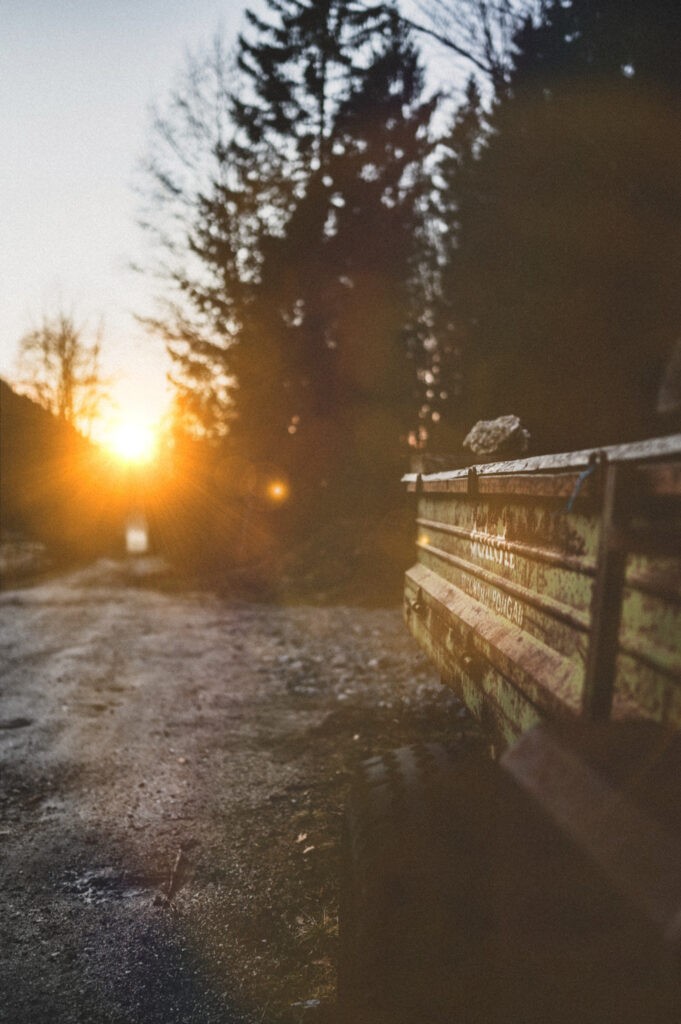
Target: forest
{"points": [[353, 268]]}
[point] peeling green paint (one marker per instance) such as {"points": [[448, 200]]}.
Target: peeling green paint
{"points": [[506, 583]]}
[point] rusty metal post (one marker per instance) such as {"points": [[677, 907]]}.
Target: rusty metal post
{"points": [[606, 605]]}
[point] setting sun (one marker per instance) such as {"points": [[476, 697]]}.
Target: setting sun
{"points": [[132, 440]]}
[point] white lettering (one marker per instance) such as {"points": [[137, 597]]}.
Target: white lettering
{"points": [[502, 604], [489, 547]]}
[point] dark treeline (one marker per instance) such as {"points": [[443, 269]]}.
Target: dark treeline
{"points": [[562, 273], [352, 278], [59, 488], [55, 486]]}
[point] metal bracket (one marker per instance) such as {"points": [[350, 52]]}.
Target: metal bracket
{"points": [[606, 604], [596, 465]]}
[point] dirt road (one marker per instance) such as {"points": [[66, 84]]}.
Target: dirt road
{"points": [[172, 773]]}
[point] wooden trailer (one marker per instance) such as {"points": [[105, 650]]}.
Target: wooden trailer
{"points": [[551, 587], [543, 883]]}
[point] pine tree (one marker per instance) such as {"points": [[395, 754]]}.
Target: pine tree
{"points": [[299, 289], [568, 229], [296, 69], [196, 241], [382, 144], [327, 157], [447, 405], [300, 66]]}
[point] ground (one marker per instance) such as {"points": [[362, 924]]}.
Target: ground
{"points": [[173, 767]]}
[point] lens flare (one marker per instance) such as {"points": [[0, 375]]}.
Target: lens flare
{"points": [[277, 491]]}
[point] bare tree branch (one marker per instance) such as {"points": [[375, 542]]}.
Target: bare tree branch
{"points": [[61, 371], [480, 32]]}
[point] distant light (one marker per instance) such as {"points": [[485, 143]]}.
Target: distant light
{"points": [[277, 491], [136, 535]]}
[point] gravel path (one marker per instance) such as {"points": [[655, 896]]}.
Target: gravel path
{"points": [[172, 774]]}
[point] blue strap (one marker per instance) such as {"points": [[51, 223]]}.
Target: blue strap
{"points": [[578, 485]]}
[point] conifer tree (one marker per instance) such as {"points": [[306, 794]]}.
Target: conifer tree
{"points": [[295, 70], [327, 161], [299, 300], [382, 144], [446, 408], [568, 227]]}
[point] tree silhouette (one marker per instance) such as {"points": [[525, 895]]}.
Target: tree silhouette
{"points": [[334, 298], [296, 273], [446, 413], [477, 33], [567, 226], [61, 370], [185, 165]]}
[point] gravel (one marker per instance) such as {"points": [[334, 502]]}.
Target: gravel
{"points": [[173, 768]]}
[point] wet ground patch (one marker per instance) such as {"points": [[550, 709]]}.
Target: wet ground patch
{"points": [[106, 884]]}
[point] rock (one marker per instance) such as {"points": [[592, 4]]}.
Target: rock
{"points": [[503, 436]]}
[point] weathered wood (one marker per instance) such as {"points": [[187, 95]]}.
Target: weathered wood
{"points": [[575, 555], [656, 448]]}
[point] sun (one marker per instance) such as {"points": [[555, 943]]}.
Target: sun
{"points": [[132, 440]]}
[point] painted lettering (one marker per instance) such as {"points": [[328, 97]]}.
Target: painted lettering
{"points": [[489, 547], [502, 604]]}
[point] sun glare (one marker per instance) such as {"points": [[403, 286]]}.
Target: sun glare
{"points": [[132, 441]]}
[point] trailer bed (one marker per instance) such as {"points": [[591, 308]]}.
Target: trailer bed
{"points": [[550, 587]]}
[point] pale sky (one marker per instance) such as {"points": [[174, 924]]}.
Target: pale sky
{"points": [[77, 78], [76, 81]]}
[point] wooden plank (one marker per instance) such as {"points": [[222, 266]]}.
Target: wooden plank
{"points": [[525, 665], [554, 557], [662, 479], [654, 449], [557, 610]]}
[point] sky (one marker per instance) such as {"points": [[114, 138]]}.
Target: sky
{"points": [[77, 78]]}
